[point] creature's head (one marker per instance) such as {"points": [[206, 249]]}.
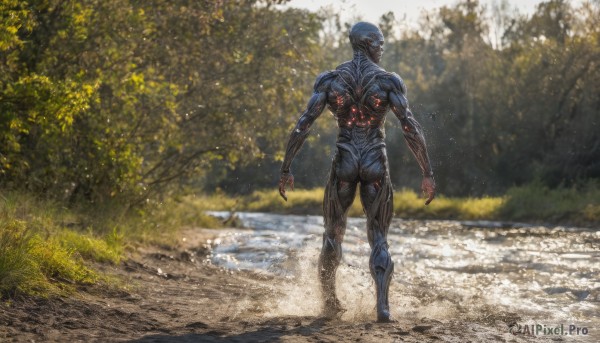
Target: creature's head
{"points": [[367, 38]]}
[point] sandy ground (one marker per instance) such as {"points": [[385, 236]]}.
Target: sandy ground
{"points": [[173, 295]]}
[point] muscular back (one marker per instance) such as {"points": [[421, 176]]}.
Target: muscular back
{"points": [[357, 93]]}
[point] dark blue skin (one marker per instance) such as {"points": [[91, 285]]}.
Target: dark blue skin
{"points": [[359, 93]]}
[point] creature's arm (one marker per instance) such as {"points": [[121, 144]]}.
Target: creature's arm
{"points": [[413, 135], [313, 110]]}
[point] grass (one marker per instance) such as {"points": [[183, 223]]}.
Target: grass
{"points": [[18, 272], [406, 204], [46, 248], [32, 264], [107, 250], [578, 205]]}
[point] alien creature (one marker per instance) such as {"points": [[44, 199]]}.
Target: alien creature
{"points": [[359, 93]]}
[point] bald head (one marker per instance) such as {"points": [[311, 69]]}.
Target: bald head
{"points": [[367, 38]]}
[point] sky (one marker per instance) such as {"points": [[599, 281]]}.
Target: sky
{"points": [[408, 10]]}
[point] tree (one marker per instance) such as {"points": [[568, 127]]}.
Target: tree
{"points": [[111, 98]]}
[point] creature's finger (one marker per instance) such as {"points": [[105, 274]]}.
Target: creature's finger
{"points": [[430, 198], [292, 183], [282, 193]]}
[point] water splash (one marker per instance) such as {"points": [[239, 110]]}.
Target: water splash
{"points": [[443, 270]]}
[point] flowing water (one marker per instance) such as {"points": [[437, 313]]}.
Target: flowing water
{"points": [[443, 270]]}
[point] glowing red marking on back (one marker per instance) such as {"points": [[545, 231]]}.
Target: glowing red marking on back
{"points": [[377, 101]]}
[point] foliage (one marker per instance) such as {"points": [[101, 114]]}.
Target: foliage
{"points": [[503, 112], [94, 109]]}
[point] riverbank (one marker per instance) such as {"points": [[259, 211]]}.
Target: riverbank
{"points": [[171, 294], [534, 203], [49, 249]]}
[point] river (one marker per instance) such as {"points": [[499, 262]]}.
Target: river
{"points": [[530, 275]]}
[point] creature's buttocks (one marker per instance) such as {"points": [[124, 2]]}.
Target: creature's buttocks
{"points": [[356, 97]]}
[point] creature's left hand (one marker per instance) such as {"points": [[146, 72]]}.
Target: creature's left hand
{"points": [[428, 188], [284, 179]]}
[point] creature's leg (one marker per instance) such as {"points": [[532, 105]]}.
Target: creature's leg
{"points": [[376, 196], [339, 195]]}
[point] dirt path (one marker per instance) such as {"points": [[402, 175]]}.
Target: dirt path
{"points": [[175, 296]]}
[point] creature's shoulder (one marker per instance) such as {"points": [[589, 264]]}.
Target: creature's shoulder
{"points": [[324, 80], [344, 66], [393, 82]]}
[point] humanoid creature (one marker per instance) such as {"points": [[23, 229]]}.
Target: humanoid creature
{"points": [[359, 93]]}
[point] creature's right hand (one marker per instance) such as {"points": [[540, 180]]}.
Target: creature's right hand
{"points": [[284, 179], [428, 188]]}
